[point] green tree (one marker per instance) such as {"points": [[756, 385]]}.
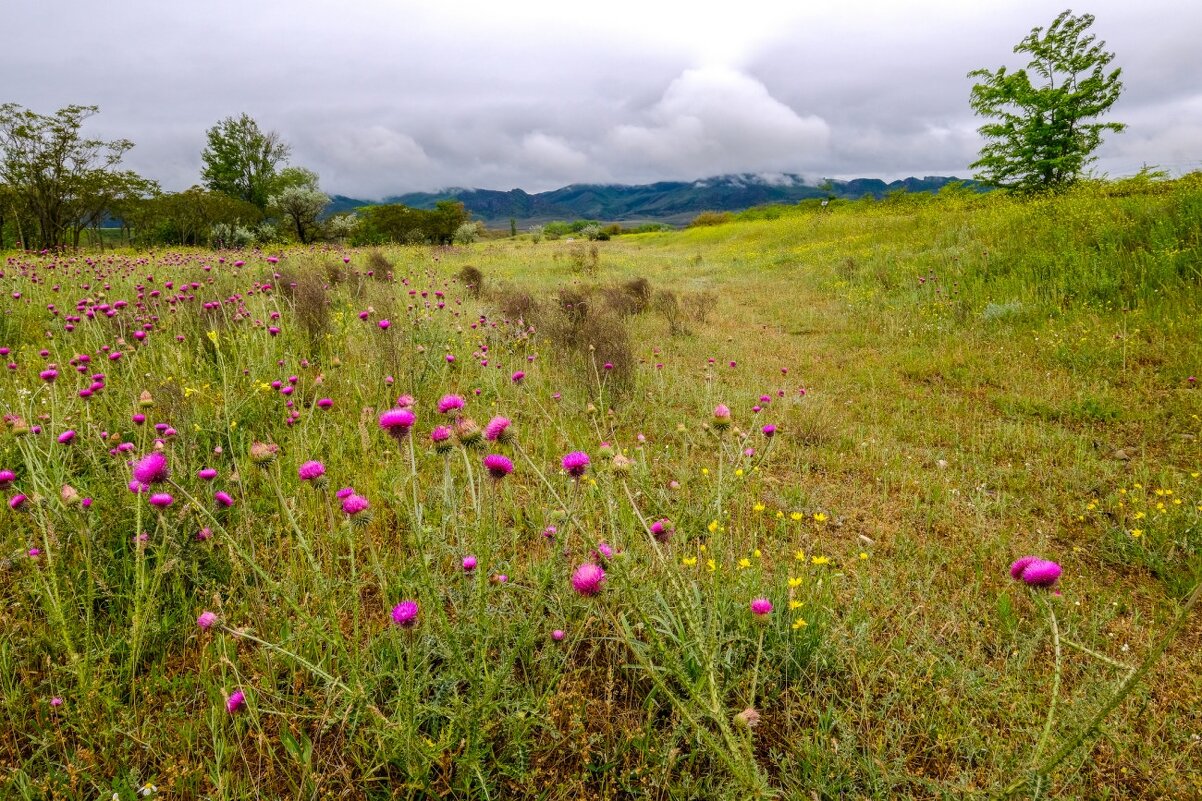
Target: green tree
{"points": [[1042, 136], [299, 200], [241, 160], [52, 171]]}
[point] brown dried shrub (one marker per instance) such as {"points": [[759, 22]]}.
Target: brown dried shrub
{"points": [[699, 305], [472, 280], [667, 303], [378, 263]]}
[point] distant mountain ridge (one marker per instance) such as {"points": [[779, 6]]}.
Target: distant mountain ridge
{"points": [[669, 201]]}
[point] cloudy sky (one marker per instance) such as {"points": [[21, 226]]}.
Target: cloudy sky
{"points": [[387, 96]]}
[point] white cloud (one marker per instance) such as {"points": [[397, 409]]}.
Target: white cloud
{"points": [[718, 120]]}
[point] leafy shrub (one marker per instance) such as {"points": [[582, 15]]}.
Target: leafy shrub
{"points": [[230, 235], [707, 218]]}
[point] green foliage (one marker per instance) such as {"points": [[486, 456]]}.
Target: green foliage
{"points": [[57, 182], [188, 217], [1041, 137], [241, 160], [707, 218], [300, 202], [401, 224]]}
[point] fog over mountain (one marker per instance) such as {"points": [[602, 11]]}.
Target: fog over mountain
{"points": [[666, 201]]}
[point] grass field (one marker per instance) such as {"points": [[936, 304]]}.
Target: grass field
{"points": [[947, 384]]}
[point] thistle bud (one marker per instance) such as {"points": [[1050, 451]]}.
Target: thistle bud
{"points": [[263, 453]]}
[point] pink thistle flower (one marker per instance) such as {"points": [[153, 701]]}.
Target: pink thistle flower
{"points": [[66, 437], [207, 474], [441, 437], [575, 463], [557, 635], [206, 620], [761, 607], [161, 500], [450, 403], [603, 551], [517, 377], [662, 530], [498, 466], [151, 468], [469, 564], [404, 614], [236, 702], [223, 499], [48, 375], [405, 402], [1035, 572], [397, 422], [384, 324], [497, 430], [7, 477], [325, 403], [588, 578], [1017, 568], [56, 701], [310, 471], [204, 534], [769, 431], [354, 504], [344, 493]]}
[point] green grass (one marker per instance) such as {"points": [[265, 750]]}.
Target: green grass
{"points": [[984, 378]]}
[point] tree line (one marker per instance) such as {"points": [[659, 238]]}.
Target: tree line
{"points": [[58, 187]]}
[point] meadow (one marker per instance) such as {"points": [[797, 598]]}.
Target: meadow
{"points": [[727, 512]]}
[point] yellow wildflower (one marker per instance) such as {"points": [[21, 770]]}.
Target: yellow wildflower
{"points": [[794, 582], [795, 516], [796, 604], [759, 507], [711, 564], [744, 562], [689, 561], [819, 517], [799, 623], [820, 560]]}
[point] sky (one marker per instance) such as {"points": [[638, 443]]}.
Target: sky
{"points": [[383, 97]]}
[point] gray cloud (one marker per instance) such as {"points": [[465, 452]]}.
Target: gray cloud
{"points": [[382, 97]]}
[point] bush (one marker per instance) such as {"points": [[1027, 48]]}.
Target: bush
{"points": [[226, 235], [468, 232], [472, 280], [706, 218]]}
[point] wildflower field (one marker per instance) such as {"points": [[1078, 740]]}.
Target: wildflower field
{"points": [[729, 512]]}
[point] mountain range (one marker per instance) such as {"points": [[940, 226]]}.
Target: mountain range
{"points": [[665, 201]]}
